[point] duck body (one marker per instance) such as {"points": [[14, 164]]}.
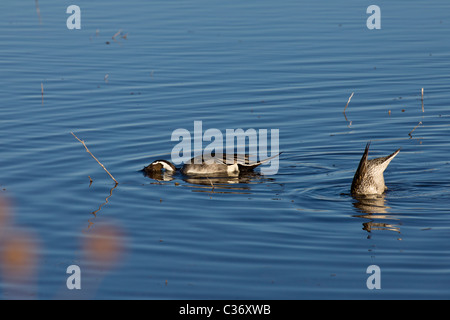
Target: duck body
{"points": [[202, 165], [210, 165], [369, 177]]}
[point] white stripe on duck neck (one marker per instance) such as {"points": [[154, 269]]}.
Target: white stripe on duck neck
{"points": [[165, 165]]}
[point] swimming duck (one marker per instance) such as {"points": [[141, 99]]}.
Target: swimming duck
{"points": [[369, 177], [210, 165]]}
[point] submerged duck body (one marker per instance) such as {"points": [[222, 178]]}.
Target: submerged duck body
{"points": [[215, 164], [369, 178]]}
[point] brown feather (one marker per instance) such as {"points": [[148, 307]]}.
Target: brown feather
{"points": [[362, 169]]}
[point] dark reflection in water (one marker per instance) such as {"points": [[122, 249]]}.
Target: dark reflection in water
{"points": [[162, 175], [237, 184], [94, 213], [374, 208], [233, 184]]}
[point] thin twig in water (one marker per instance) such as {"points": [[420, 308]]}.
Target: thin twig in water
{"points": [[212, 185], [414, 129], [87, 150], [349, 122], [38, 11], [117, 33], [42, 92], [351, 96], [106, 201], [94, 213], [423, 110]]}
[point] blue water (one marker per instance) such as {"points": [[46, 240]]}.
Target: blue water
{"points": [[286, 65]]}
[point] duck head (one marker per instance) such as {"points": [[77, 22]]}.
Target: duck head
{"points": [[159, 165]]}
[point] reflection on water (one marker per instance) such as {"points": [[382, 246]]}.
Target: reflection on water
{"points": [[102, 249], [370, 204], [236, 184], [19, 250], [215, 184], [91, 222], [162, 175], [375, 209]]}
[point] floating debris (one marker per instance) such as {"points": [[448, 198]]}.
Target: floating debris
{"points": [[349, 122], [423, 110], [42, 92], [351, 96], [38, 11], [414, 129], [87, 150]]}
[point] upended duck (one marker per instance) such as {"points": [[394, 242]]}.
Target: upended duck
{"points": [[369, 178], [210, 165]]}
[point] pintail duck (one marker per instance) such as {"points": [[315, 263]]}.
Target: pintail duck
{"points": [[215, 164], [369, 177]]}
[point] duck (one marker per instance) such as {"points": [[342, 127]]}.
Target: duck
{"points": [[216, 164], [369, 178]]}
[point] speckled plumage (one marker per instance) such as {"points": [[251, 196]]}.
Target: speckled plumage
{"points": [[369, 178]]}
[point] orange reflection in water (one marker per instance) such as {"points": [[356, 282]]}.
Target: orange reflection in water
{"points": [[18, 256], [4, 215], [104, 245]]}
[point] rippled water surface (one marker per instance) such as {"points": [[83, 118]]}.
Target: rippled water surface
{"points": [[137, 71]]}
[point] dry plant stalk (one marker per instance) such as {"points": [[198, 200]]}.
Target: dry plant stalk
{"points": [[414, 129], [87, 150], [349, 122], [38, 11], [422, 102], [42, 92], [212, 184], [117, 33], [351, 96]]}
